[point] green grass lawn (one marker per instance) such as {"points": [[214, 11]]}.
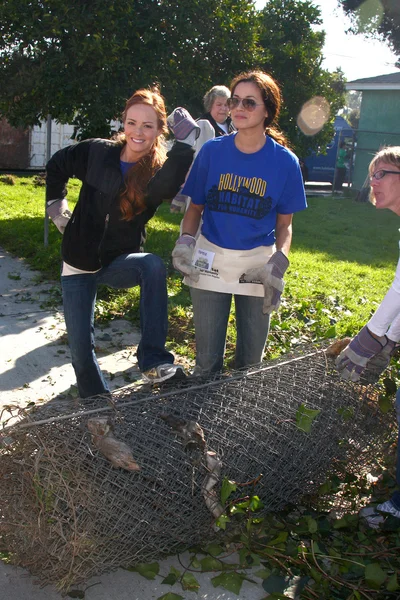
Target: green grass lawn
{"points": [[342, 262]]}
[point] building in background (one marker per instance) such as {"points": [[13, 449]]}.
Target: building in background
{"points": [[379, 123], [26, 149]]}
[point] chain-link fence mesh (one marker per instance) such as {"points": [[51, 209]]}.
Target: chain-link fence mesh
{"points": [[67, 513]]}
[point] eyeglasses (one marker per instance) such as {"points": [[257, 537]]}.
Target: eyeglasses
{"points": [[381, 174], [247, 103]]}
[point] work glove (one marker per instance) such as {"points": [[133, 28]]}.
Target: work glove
{"points": [[352, 361], [178, 204], [183, 126], [59, 213], [182, 256], [271, 276], [379, 363]]}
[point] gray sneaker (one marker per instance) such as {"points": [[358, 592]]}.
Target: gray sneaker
{"points": [[388, 508], [371, 517], [164, 372]]}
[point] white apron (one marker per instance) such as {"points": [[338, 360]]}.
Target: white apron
{"points": [[221, 268]]}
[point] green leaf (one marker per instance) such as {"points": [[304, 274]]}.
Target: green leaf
{"points": [[227, 488], [209, 563], [230, 581], [385, 404], [171, 596], [374, 575], [279, 539], [214, 549], [263, 573], [304, 417], [274, 583], [331, 332], [255, 504], [392, 584], [172, 577], [189, 582], [390, 386], [148, 570], [222, 521]]}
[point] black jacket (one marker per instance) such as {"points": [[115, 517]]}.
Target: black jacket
{"points": [[96, 233], [218, 130]]}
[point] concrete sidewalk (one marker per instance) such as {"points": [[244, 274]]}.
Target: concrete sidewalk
{"points": [[35, 367]]}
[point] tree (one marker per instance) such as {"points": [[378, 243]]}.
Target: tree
{"points": [[376, 18], [351, 110], [293, 54], [79, 61]]}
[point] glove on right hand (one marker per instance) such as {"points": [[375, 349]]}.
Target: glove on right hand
{"points": [[379, 362], [183, 126], [352, 361], [182, 256]]}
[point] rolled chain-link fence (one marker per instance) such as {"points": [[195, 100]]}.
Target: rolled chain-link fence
{"points": [[68, 511]]}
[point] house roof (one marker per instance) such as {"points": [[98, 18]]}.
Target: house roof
{"points": [[390, 81]]}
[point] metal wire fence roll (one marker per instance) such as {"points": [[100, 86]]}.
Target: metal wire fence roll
{"points": [[69, 512]]}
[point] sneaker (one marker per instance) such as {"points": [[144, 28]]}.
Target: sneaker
{"points": [[389, 508], [371, 517], [164, 372]]}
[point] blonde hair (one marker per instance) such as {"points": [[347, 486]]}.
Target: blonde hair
{"points": [[137, 178], [388, 154]]}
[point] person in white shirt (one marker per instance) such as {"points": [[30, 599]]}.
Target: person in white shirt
{"points": [[369, 353]]}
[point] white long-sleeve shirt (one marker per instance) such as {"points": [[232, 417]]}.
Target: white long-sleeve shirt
{"points": [[386, 320]]}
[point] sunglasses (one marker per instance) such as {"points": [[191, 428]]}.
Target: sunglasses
{"points": [[247, 103], [381, 174]]}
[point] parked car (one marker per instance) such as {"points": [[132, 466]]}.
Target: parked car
{"points": [[321, 167]]}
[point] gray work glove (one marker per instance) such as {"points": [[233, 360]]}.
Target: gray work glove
{"points": [[183, 126], [352, 361], [182, 256], [379, 363], [59, 213], [271, 276], [178, 204]]}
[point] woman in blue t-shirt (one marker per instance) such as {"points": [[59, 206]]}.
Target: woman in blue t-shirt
{"points": [[245, 187]]}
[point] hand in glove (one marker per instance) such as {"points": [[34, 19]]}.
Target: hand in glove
{"points": [[379, 363], [271, 276], [352, 361], [183, 126], [59, 213], [182, 256], [178, 204]]}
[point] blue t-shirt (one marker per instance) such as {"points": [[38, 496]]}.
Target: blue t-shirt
{"points": [[125, 166], [243, 193]]}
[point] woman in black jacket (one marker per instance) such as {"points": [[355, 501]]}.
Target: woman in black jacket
{"points": [[123, 183]]}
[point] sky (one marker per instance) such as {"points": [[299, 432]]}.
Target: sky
{"points": [[357, 56]]}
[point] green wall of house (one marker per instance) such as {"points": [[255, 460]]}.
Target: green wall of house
{"points": [[379, 126]]}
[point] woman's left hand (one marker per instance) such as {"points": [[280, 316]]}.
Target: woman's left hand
{"points": [[271, 276], [354, 359]]}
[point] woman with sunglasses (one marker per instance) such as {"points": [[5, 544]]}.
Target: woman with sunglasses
{"points": [[246, 187], [369, 353]]}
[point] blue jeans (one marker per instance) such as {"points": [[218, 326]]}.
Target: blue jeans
{"points": [[79, 297], [396, 496], [211, 314]]}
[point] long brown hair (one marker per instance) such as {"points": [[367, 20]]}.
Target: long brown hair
{"points": [[136, 180], [271, 95]]}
